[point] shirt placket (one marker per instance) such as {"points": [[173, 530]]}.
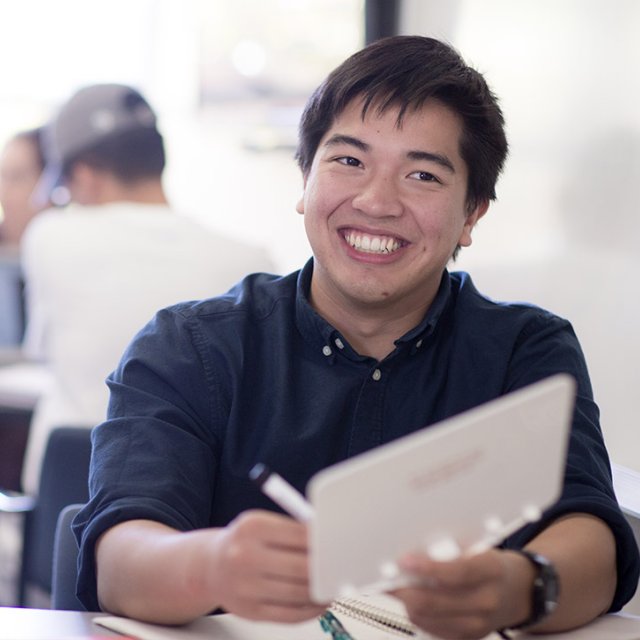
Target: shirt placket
{"points": [[367, 426]]}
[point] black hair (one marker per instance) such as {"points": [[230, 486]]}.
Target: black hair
{"points": [[405, 72], [130, 156]]}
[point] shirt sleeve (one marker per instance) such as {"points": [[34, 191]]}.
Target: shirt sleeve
{"points": [[548, 345], [161, 408]]}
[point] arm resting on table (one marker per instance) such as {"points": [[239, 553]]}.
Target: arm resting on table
{"points": [[255, 567], [149, 571]]}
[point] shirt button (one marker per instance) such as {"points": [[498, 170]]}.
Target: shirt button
{"points": [[339, 343], [419, 343], [376, 375], [327, 350]]}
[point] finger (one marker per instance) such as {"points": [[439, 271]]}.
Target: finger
{"points": [[444, 603], [272, 529], [428, 604], [287, 566], [451, 614], [465, 572], [266, 589], [251, 591], [257, 557]]}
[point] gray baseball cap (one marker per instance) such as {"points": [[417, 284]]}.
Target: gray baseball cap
{"points": [[92, 115]]}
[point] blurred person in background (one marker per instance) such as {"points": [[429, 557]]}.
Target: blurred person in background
{"points": [[98, 268], [21, 165]]}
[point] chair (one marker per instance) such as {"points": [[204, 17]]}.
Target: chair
{"points": [[14, 431], [63, 481], [65, 561]]}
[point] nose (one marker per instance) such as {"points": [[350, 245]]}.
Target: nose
{"points": [[378, 196]]}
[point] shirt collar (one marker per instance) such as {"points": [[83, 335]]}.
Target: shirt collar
{"points": [[433, 315], [314, 328], [328, 340]]}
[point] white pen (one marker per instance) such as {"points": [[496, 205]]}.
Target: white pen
{"points": [[281, 492]]}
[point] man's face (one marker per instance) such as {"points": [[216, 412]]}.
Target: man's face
{"points": [[19, 174], [385, 207]]}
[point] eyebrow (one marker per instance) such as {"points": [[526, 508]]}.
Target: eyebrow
{"points": [[339, 138], [438, 158]]}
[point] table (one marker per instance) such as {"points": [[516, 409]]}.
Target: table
{"points": [[29, 624]]}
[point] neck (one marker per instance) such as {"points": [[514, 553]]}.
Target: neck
{"points": [[145, 192], [107, 191]]}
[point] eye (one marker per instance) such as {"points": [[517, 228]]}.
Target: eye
{"points": [[424, 176], [349, 161]]}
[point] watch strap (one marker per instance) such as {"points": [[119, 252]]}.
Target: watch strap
{"points": [[544, 591]]}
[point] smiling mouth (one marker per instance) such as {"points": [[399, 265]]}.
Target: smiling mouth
{"points": [[372, 244]]}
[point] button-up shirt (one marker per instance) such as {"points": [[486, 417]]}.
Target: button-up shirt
{"points": [[210, 388]]}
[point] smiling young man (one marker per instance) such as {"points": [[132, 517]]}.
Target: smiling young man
{"points": [[400, 149]]}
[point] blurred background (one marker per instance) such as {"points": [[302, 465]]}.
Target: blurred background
{"points": [[229, 80]]}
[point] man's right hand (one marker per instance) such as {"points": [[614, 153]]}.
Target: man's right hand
{"points": [[260, 568]]}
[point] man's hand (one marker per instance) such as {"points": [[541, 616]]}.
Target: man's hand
{"points": [[259, 567], [472, 596], [466, 598]]}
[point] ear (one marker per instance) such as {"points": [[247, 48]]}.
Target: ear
{"points": [[471, 221], [300, 203]]}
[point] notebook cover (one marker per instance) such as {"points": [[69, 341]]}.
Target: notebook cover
{"points": [[459, 486]]}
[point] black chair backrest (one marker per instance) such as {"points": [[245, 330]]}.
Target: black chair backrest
{"points": [[64, 480], [65, 563], [12, 318]]}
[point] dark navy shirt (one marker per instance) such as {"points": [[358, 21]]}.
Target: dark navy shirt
{"points": [[208, 389]]}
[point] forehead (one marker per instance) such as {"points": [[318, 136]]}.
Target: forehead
{"points": [[432, 122]]}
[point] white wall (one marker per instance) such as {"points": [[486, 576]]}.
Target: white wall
{"points": [[565, 229]]}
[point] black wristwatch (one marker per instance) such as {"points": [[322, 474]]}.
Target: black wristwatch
{"points": [[545, 590]]}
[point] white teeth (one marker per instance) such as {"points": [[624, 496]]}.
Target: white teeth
{"points": [[372, 244]]}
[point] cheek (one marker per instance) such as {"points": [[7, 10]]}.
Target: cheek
{"points": [[319, 200], [442, 227], [434, 225]]}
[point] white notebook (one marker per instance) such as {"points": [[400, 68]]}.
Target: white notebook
{"points": [[456, 487], [230, 627]]}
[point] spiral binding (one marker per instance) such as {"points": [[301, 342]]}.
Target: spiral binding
{"points": [[374, 615]]}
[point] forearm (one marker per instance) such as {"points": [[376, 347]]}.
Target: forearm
{"points": [[583, 551], [149, 571], [256, 567]]}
